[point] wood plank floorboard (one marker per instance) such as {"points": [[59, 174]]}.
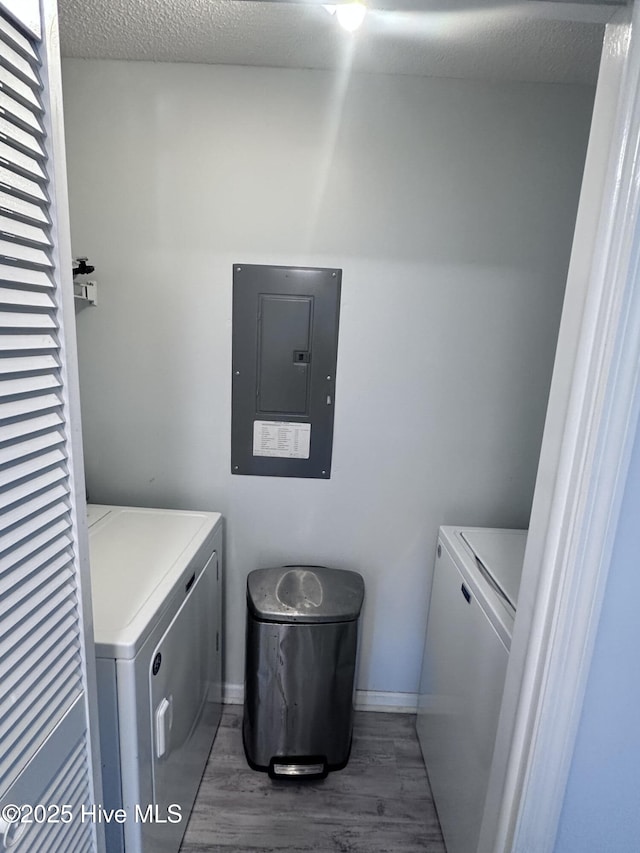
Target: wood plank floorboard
{"points": [[379, 803]]}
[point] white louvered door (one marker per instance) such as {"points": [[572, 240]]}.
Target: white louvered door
{"points": [[46, 753]]}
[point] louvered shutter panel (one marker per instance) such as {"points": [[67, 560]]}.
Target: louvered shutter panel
{"points": [[43, 733]]}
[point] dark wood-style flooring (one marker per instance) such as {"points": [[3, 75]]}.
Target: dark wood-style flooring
{"points": [[380, 803]]}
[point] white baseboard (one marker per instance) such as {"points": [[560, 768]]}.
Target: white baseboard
{"points": [[233, 694], [366, 700], [378, 700]]}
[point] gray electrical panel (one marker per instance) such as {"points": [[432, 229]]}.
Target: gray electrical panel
{"points": [[285, 339]]}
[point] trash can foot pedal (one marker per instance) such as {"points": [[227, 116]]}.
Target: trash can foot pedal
{"points": [[312, 767]]}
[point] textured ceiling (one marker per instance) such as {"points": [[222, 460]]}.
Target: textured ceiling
{"points": [[520, 41]]}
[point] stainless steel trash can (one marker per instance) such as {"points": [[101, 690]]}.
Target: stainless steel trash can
{"points": [[301, 642]]}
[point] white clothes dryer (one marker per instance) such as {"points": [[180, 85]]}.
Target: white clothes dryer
{"points": [[156, 580]]}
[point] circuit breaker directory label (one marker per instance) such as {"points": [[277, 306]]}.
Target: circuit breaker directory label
{"points": [[283, 439]]}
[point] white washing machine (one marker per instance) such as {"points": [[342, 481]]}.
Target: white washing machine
{"points": [[470, 623], [156, 580]]}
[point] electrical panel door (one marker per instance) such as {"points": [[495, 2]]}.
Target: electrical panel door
{"points": [[285, 337]]}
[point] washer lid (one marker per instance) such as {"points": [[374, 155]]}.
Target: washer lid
{"points": [[501, 553], [305, 594], [95, 512], [137, 556]]}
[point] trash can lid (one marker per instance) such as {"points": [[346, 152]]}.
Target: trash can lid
{"points": [[305, 594]]}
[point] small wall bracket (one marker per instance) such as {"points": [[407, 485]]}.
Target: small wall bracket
{"points": [[85, 293]]}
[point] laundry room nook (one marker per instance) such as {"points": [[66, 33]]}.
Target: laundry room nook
{"points": [[293, 313]]}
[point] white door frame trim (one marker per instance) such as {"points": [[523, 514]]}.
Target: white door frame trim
{"points": [[574, 518]]}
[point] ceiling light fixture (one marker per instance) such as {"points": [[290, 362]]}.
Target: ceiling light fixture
{"points": [[350, 15]]}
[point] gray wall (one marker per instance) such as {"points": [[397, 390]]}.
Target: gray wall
{"points": [[449, 204]]}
